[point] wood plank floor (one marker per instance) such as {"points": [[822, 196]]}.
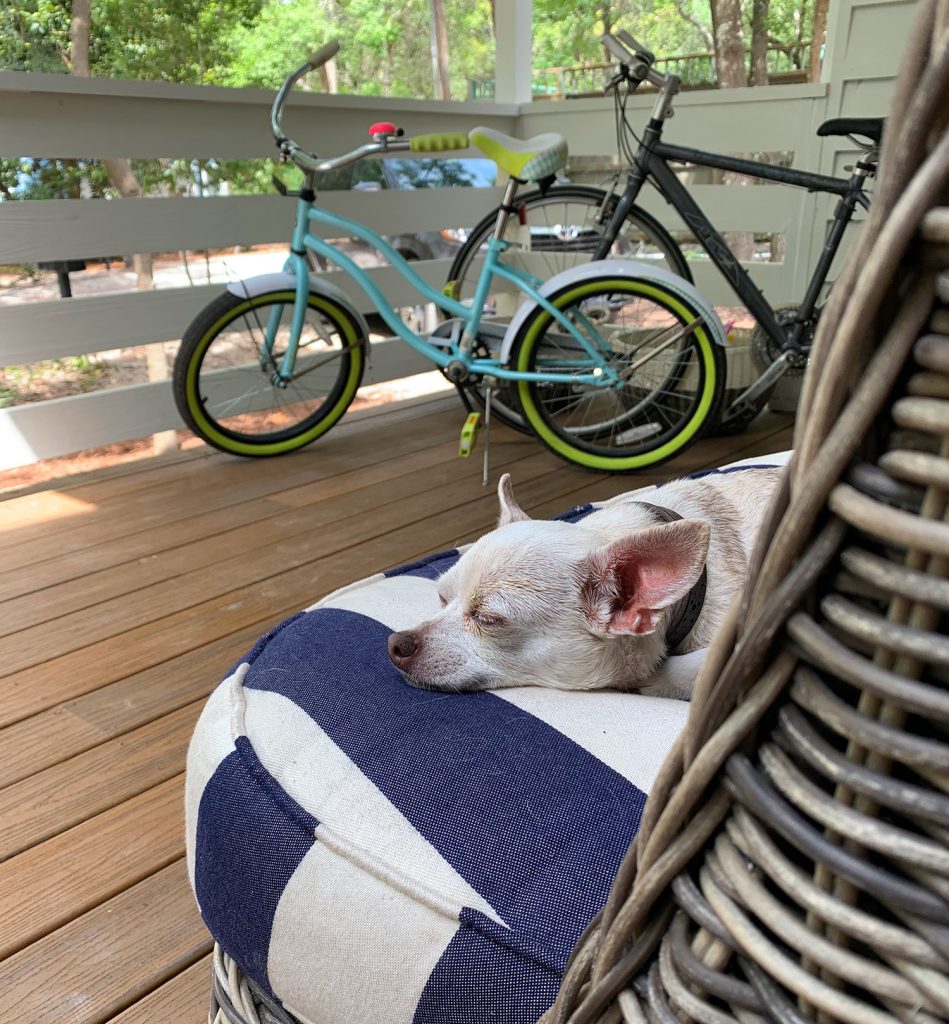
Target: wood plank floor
{"points": [[124, 596]]}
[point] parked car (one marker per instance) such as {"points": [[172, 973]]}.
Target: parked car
{"points": [[400, 173]]}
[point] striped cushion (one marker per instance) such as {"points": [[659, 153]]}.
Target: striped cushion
{"points": [[367, 851]]}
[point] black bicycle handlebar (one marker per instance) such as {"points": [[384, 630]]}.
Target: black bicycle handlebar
{"points": [[634, 56], [637, 47]]}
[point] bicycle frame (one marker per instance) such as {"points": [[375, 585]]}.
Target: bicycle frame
{"points": [[652, 164], [308, 214]]}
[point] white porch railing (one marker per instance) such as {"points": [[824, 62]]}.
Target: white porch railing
{"points": [[49, 115]]}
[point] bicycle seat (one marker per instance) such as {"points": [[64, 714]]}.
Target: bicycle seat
{"points": [[869, 127], [525, 159]]}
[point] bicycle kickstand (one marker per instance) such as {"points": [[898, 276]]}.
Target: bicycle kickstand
{"points": [[487, 434]]}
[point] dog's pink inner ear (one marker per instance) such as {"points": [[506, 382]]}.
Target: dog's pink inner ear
{"points": [[635, 578]]}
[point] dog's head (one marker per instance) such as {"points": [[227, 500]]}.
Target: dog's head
{"points": [[543, 603]]}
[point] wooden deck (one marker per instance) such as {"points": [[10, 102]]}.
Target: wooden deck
{"points": [[124, 596]]}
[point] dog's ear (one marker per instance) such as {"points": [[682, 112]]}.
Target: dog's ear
{"points": [[624, 585], [510, 512]]}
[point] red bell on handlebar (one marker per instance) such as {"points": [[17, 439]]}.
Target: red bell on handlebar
{"points": [[383, 128]]}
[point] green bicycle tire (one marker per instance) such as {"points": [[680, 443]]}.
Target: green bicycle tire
{"points": [[710, 368], [211, 322]]}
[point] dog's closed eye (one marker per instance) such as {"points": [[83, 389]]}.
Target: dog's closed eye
{"points": [[489, 620], [486, 614]]}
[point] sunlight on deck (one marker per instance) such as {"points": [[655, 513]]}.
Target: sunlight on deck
{"points": [[44, 507]]}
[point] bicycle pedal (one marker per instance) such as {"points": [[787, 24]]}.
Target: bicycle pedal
{"points": [[469, 434]]}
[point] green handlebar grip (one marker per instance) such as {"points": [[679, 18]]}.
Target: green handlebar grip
{"points": [[439, 142]]}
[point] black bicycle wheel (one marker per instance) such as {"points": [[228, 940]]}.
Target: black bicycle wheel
{"points": [[672, 375], [551, 232], [228, 388]]}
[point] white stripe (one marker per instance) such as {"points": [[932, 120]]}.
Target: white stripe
{"points": [[399, 602], [630, 733], [347, 947]]}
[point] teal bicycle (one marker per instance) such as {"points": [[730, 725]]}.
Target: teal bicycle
{"points": [[616, 365]]}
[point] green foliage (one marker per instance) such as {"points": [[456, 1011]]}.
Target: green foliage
{"points": [[34, 35], [262, 51], [384, 44], [170, 40]]}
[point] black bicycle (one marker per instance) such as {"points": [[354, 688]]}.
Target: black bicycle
{"points": [[562, 225]]}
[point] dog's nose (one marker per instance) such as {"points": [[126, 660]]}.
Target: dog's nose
{"points": [[402, 647]]}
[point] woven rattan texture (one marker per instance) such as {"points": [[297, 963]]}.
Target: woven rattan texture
{"points": [[793, 862], [235, 999]]}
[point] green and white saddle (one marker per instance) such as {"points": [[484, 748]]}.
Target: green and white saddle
{"points": [[527, 159]]}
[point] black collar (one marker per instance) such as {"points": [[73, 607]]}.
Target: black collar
{"points": [[686, 611]]}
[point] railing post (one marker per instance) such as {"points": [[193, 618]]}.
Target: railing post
{"points": [[512, 73]]}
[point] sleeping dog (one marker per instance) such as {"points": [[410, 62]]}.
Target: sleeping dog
{"points": [[597, 604]]}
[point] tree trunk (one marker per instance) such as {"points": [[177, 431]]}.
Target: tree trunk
{"points": [[79, 38], [730, 70], [817, 40], [759, 42], [440, 50], [729, 43], [329, 75]]}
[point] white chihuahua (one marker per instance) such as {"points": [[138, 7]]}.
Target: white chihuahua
{"points": [[597, 604]]}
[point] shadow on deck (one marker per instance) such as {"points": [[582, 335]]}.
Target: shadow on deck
{"points": [[125, 596]]}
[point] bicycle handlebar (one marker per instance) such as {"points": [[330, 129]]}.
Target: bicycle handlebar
{"points": [[636, 57], [316, 60], [292, 150]]}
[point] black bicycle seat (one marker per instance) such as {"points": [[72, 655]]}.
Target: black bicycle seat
{"points": [[868, 127]]}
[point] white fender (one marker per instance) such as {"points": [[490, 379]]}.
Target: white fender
{"points": [[262, 283], [637, 269]]}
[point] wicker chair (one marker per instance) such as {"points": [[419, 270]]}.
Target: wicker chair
{"points": [[792, 864]]}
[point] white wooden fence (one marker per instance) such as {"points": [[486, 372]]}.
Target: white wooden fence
{"points": [[59, 116]]}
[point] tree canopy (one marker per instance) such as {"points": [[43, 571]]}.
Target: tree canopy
{"points": [[386, 44]]}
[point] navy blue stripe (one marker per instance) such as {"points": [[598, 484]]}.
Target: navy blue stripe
{"points": [[250, 838], [263, 641], [575, 514], [698, 474], [535, 823], [482, 977], [429, 568]]}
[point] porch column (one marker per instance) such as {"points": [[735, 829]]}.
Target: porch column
{"points": [[512, 75]]}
